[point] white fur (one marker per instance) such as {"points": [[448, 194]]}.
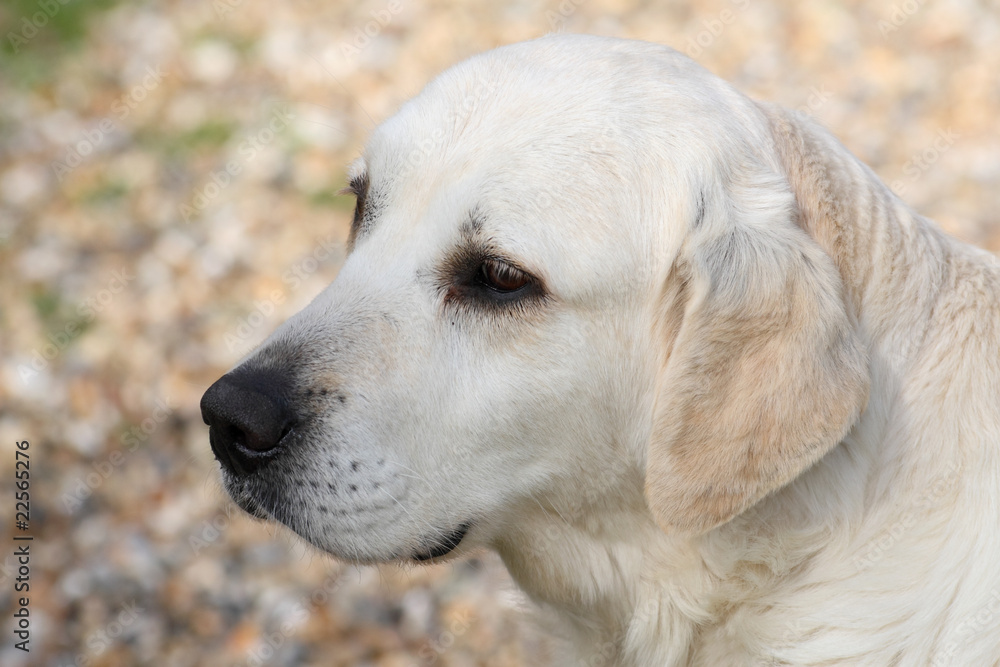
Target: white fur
{"points": [[584, 158]]}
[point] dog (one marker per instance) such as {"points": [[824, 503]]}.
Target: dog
{"points": [[713, 393]]}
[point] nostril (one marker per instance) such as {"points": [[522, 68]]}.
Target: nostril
{"points": [[249, 418], [263, 436], [233, 435], [255, 442]]}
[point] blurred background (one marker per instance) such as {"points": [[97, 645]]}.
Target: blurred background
{"points": [[168, 179]]}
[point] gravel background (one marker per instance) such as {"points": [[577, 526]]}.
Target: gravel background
{"points": [[132, 279]]}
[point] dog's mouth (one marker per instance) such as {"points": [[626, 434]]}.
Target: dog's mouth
{"points": [[443, 546], [251, 507], [245, 498], [264, 506]]}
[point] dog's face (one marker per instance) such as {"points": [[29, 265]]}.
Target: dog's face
{"points": [[524, 265]]}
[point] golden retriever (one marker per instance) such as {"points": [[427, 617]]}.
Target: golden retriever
{"points": [[711, 390]]}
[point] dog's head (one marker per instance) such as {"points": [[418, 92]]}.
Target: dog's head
{"points": [[575, 269]]}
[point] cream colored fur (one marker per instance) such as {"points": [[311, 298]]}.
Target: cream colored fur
{"points": [[756, 419]]}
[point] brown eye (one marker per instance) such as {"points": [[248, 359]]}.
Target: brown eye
{"points": [[501, 276]]}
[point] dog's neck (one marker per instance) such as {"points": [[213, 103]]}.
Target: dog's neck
{"points": [[607, 578], [605, 572]]}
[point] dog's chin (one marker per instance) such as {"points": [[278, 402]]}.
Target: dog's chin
{"points": [[250, 507], [431, 550], [442, 546]]}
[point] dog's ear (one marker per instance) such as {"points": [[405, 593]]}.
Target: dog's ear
{"points": [[764, 372]]}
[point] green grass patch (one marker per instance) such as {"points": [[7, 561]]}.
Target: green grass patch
{"points": [[210, 136], [105, 193], [35, 35], [328, 198], [47, 305]]}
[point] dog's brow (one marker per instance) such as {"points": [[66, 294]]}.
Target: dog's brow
{"points": [[473, 225]]}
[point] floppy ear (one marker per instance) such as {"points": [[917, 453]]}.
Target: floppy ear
{"points": [[765, 373]]}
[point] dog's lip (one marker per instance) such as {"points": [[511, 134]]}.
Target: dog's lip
{"points": [[252, 509], [444, 544], [242, 499]]}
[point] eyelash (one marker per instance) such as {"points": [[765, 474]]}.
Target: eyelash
{"points": [[359, 188]]}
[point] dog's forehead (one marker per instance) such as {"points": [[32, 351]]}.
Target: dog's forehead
{"points": [[552, 90], [554, 143], [551, 109]]}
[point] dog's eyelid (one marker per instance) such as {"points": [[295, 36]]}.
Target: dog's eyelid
{"points": [[503, 275], [505, 261]]}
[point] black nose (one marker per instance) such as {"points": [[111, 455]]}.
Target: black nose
{"points": [[249, 415]]}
